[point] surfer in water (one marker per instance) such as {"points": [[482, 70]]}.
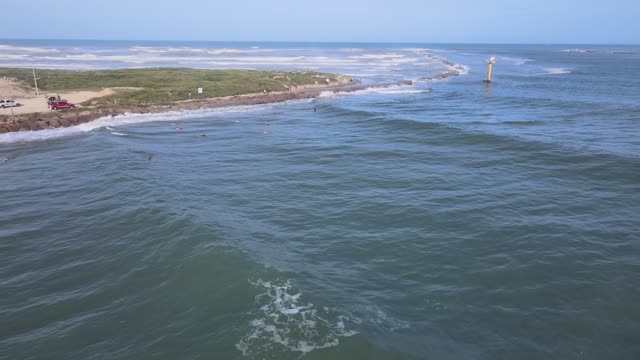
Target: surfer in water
{"points": [[6, 158]]}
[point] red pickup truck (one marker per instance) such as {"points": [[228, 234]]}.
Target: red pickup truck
{"points": [[61, 105]]}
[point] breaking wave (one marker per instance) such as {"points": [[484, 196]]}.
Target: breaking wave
{"points": [[286, 322], [579, 50], [387, 91], [27, 49]]}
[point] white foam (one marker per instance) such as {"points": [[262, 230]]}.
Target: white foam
{"points": [[225, 51], [126, 119], [11, 48], [28, 136], [399, 92], [557, 71], [287, 323], [418, 51], [349, 60], [12, 56], [377, 57], [579, 50], [515, 60], [395, 90], [327, 94], [118, 133], [352, 50], [192, 50]]}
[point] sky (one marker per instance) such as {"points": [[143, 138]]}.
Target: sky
{"points": [[423, 21]]}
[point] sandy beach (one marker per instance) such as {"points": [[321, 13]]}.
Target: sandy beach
{"points": [[32, 103]]}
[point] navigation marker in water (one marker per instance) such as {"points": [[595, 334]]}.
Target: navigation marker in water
{"points": [[490, 62]]}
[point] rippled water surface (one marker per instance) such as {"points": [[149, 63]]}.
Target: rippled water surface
{"points": [[443, 220]]}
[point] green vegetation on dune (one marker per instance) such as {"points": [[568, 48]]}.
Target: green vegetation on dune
{"points": [[152, 86]]}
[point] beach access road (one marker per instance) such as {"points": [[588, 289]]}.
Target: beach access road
{"points": [[30, 103]]}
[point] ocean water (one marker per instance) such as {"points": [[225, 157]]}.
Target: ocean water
{"points": [[443, 220]]}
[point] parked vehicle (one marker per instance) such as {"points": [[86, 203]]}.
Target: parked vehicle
{"points": [[5, 103], [61, 105], [52, 98]]}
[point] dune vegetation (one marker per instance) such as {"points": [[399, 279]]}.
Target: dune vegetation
{"points": [[156, 86]]}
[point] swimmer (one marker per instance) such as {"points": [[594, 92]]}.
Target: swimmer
{"points": [[178, 128], [6, 158], [314, 109], [149, 156]]}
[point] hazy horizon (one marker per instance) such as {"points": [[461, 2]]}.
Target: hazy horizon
{"points": [[320, 42]]}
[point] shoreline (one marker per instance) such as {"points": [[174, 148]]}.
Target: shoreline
{"points": [[53, 120]]}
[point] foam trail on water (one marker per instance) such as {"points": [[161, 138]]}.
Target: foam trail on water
{"points": [[286, 322], [557, 71]]}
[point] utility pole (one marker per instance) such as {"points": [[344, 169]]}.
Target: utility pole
{"points": [[35, 80], [12, 106], [490, 62]]}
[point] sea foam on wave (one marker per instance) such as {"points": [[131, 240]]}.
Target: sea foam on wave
{"points": [[286, 322]]}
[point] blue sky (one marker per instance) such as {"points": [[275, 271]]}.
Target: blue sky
{"points": [[427, 21]]}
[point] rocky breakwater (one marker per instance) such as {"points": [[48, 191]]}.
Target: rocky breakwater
{"points": [[39, 121]]}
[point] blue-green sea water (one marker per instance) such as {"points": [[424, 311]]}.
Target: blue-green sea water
{"points": [[443, 220]]}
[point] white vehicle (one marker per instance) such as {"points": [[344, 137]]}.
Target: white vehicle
{"points": [[5, 103]]}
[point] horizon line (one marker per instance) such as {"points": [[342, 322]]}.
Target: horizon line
{"points": [[322, 41]]}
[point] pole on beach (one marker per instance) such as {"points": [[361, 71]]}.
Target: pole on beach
{"points": [[12, 121], [490, 62], [35, 80]]}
